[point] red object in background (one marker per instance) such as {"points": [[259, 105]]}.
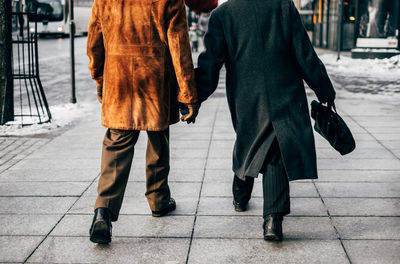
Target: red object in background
{"points": [[199, 6]]}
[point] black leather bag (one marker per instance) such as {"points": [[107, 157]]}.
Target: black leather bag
{"points": [[332, 127]]}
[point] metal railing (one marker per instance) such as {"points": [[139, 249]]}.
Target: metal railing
{"points": [[28, 90]]}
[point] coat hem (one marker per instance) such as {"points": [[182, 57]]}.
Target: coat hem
{"points": [[144, 128]]}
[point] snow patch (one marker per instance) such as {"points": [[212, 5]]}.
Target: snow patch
{"points": [[63, 115], [375, 68]]}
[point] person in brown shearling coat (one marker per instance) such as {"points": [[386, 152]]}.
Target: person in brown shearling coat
{"points": [[140, 57]]}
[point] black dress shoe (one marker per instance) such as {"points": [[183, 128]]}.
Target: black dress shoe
{"points": [[100, 231], [170, 207], [239, 207], [273, 227]]}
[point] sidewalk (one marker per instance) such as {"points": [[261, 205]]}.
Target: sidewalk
{"points": [[351, 214]]}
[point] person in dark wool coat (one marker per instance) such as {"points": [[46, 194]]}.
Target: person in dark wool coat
{"points": [[267, 55]]}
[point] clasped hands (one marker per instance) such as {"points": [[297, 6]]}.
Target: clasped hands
{"points": [[189, 112]]}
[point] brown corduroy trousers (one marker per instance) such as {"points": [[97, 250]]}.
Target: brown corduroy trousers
{"points": [[117, 155]]}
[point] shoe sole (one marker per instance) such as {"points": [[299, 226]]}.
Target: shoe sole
{"points": [[100, 233], [239, 209], [163, 213], [272, 238]]}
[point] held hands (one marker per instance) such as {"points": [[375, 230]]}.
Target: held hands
{"points": [[189, 112]]}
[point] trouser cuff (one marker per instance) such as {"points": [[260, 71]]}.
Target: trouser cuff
{"points": [[104, 203]]}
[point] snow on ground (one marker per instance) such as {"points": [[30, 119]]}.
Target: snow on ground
{"points": [[63, 115], [376, 68], [374, 79]]}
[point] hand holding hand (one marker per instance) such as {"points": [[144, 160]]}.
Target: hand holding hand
{"points": [[193, 109]]}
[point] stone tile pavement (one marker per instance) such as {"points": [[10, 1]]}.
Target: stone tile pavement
{"points": [[351, 214]]}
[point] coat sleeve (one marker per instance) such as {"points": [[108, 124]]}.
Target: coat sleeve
{"points": [[312, 69], [95, 47], [211, 60], [181, 54]]}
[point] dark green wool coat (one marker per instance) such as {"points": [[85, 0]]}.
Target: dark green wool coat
{"points": [[267, 55]]}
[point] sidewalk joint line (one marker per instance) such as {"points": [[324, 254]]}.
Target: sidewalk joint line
{"points": [[332, 223], [372, 135], [62, 217], [202, 181]]}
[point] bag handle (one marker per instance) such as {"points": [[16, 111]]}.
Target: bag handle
{"points": [[332, 106]]}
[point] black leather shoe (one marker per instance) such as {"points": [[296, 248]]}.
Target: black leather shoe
{"points": [[170, 207], [100, 231], [239, 207], [273, 227]]}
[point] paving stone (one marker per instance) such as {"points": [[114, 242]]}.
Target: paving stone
{"points": [[372, 145], [307, 207], [374, 123], [222, 144], [17, 248], [175, 175], [69, 154], [365, 189], [43, 188], [35, 205], [294, 228], [71, 146], [224, 189], [137, 189], [224, 136], [180, 131], [367, 227], [188, 153], [362, 136], [27, 225], [129, 226], [121, 250], [357, 176], [189, 144], [194, 163], [216, 152], [219, 164], [258, 251], [391, 144], [383, 130], [97, 132], [387, 136], [371, 118], [31, 175], [190, 135], [214, 176], [359, 164], [396, 152], [362, 153], [136, 205], [363, 206], [372, 251], [223, 206], [46, 164]]}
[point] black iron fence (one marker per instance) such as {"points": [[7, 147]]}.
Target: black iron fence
{"points": [[30, 106]]}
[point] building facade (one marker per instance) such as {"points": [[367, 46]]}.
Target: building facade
{"points": [[365, 24]]}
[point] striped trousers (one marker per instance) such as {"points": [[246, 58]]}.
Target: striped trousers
{"points": [[275, 185]]}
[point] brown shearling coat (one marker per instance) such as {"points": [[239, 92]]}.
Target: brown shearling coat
{"points": [[139, 54]]}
